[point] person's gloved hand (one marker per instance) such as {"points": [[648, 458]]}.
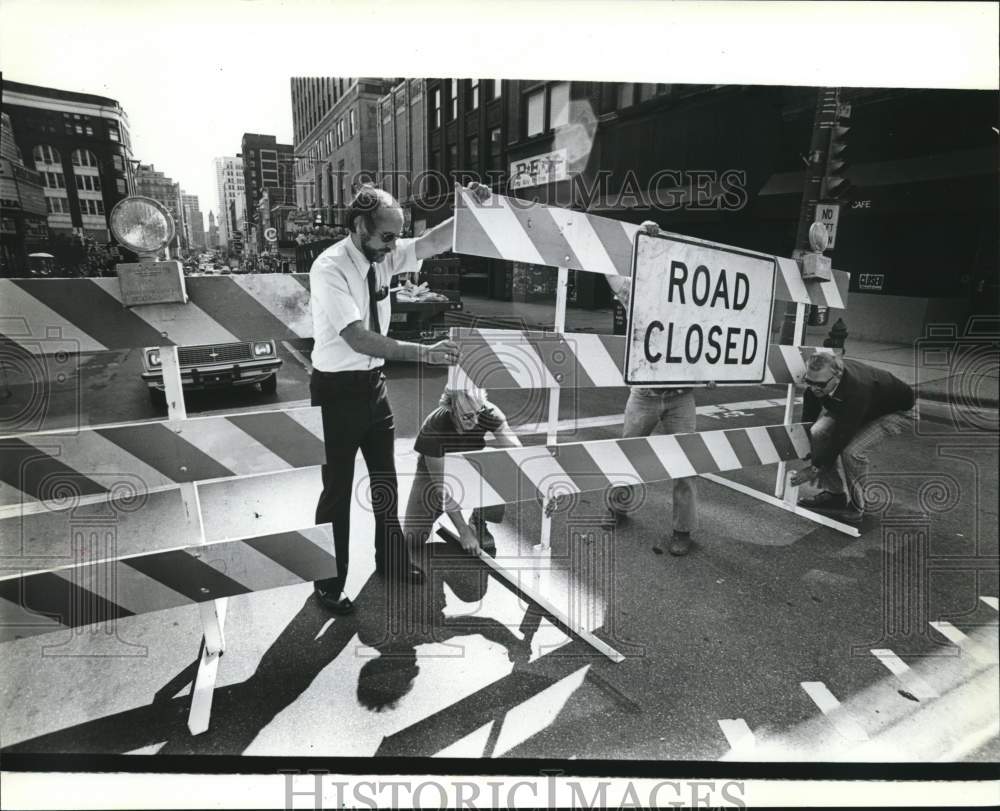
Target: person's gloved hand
{"points": [[482, 192]]}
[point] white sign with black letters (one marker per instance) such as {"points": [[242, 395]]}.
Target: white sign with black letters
{"points": [[829, 215], [698, 313]]}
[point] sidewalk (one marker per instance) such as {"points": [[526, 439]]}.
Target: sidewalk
{"points": [[973, 382]]}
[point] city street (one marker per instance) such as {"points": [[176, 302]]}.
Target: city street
{"points": [[757, 645]]}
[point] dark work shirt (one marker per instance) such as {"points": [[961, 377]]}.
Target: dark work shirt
{"points": [[863, 394], [438, 435]]}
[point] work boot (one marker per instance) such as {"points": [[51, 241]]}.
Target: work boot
{"points": [[680, 544], [824, 501]]}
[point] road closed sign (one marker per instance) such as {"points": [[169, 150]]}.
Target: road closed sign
{"points": [[698, 313]]}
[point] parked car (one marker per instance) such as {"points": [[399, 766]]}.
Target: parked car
{"points": [[212, 366]]}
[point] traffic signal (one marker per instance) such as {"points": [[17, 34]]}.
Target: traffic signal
{"points": [[835, 184]]}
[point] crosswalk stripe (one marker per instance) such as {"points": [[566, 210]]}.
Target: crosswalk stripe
{"points": [[910, 680], [738, 735], [957, 637], [832, 709]]}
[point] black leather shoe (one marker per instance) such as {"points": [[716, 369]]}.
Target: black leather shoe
{"points": [[341, 606], [824, 501]]}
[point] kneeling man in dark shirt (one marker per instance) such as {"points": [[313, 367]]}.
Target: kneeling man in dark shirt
{"points": [[459, 423], [852, 407]]}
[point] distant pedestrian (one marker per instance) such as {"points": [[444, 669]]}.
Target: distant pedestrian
{"points": [[668, 410], [852, 408]]}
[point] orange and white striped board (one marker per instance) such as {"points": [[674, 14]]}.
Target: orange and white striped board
{"points": [[523, 231], [523, 359], [507, 475], [117, 587], [46, 316], [134, 458]]}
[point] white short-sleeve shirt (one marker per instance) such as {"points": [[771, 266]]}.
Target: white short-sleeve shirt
{"points": [[338, 289]]}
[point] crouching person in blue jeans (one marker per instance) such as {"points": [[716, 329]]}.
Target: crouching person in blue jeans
{"points": [[459, 423]]}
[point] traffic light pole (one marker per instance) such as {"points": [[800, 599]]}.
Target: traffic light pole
{"points": [[821, 163]]}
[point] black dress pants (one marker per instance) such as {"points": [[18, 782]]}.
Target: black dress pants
{"points": [[357, 416]]}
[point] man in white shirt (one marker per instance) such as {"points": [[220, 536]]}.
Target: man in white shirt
{"points": [[351, 310]]}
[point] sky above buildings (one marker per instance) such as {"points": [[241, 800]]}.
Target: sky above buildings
{"points": [[194, 75]]}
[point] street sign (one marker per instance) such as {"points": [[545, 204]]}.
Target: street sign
{"points": [[698, 313], [538, 170], [829, 214]]}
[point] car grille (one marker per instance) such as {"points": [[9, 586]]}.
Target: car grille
{"points": [[224, 353]]}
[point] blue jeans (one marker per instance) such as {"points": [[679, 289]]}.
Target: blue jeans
{"points": [[854, 458], [665, 411]]}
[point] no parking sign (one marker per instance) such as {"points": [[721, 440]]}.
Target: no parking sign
{"points": [[699, 312]]}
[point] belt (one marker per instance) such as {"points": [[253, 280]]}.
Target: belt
{"points": [[352, 376]]}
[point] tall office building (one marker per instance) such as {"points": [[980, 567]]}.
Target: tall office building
{"points": [[23, 226], [151, 183], [271, 166], [213, 232], [313, 97], [194, 225], [229, 185], [81, 148]]}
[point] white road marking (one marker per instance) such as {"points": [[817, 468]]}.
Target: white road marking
{"points": [[911, 681], [738, 734], [956, 637], [305, 364], [832, 709]]}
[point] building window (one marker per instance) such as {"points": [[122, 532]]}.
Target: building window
{"points": [[92, 207], [118, 162], [89, 130], [57, 205], [495, 148], [646, 92], [53, 180], [497, 88], [352, 124], [474, 94], [474, 153], [88, 183], [558, 105], [452, 158], [43, 153], [120, 184], [84, 157], [453, 100], [437, 107], [535, 113]]}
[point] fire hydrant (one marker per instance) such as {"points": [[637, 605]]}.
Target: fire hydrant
{"points": [[837, 336]]}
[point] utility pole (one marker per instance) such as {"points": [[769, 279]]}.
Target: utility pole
{"points": [[824, 183]]}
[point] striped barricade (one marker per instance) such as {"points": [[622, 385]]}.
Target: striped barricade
{"points": [[524, 231], [156, 455], [45, 316], [70, 594], [507, 475], [521, 359]]}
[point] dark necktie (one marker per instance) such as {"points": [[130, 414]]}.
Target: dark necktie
{"points": [[372, 303]]}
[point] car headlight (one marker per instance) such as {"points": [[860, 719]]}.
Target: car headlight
{"points": [[153, 357], [263, 348]]}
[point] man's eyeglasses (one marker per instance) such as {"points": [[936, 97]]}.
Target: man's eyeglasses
{"points": [[388, 236], [818, 384]]}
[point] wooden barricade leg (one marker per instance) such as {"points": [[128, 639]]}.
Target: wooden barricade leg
{"points": [[544, 548], [559, 618], [213, 613], [781, 487]]}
